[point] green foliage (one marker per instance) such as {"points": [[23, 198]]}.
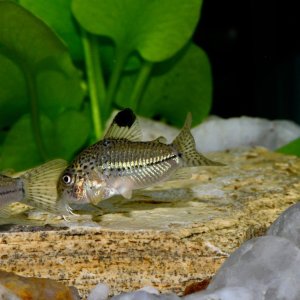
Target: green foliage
{"points": [[57, 14], [174, 88], [65, 64], [156, 29], [292, 148]]}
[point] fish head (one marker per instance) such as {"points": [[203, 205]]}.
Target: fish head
{"points": [[70, 187], [81, 186]]}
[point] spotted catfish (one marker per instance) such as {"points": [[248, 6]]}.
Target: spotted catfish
{"points": [[121, 162]]}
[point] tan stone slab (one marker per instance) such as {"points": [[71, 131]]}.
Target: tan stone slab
{"points": [[164, 243]]}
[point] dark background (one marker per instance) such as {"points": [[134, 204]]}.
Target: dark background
{"points": [[254, 50]]}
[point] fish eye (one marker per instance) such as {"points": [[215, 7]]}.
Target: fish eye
{"points": [[67, 179]]}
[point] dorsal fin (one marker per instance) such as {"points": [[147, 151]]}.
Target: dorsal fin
{"points": [[124, 126]]}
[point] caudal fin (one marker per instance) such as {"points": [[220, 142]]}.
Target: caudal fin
{"points": [[40, 185], [184, 143]]}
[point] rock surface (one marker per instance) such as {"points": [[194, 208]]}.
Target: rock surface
{"points": [[288, 225], [18, 287], [266, 265], [170, 237]]}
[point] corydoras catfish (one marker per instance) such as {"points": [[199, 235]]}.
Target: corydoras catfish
{"points": [[35, 187], [121, 162]]}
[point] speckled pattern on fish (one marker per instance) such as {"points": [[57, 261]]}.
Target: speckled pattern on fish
{"points": [[121, 162]]}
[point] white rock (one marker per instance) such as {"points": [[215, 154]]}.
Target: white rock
{"points": [[287, 225], [143, 295], [99, 292], [138, 295], [153, 129], [150, 289], [268, 265], [228, 293], [217, 134]]}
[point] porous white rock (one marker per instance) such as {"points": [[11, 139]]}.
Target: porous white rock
{"points": [[228, 293], [143, 295], [287, 225], [99, 292], [268, 265], [150, 289], [217, 134]]}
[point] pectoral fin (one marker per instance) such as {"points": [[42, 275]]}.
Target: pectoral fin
{"points": [[124, 189], [126, 194], [94, 196]]}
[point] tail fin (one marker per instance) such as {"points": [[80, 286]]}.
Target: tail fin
{"points": [[184, 143], [40, 185]]}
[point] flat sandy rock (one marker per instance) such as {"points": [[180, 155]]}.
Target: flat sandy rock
{"points": [[169, 237]]}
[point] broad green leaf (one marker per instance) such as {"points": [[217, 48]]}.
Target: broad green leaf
{"points": [[46, 79], [178, 86], [72, 132], [157, 29], [13, 100], [19, 151], [30, 44], [2, 137], [58, 92], [25, 38], [108, 58], [292, 148], [57, 14], [62, 138]]}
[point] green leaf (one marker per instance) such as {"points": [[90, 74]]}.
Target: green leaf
{"points": [[157, 29], [58, 92], [19, 150], [44, 66], [31, 45], [63, 138], [13, 100], [108, 56], [292, 148], [72, 132], [178, 86], [57, 14], [25, 38]]}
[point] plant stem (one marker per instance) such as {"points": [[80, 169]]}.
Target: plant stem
{"points": [[95, 80], [140, 85], [115, 78], [35, 118]]}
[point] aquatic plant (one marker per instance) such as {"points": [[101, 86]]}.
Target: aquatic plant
{"points": [[65, 65]]}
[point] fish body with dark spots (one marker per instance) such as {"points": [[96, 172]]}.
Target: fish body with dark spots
{"points": [[113, 167], [121, 162]]}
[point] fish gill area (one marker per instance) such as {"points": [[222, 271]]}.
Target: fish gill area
{"points": [[169, 237]]}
